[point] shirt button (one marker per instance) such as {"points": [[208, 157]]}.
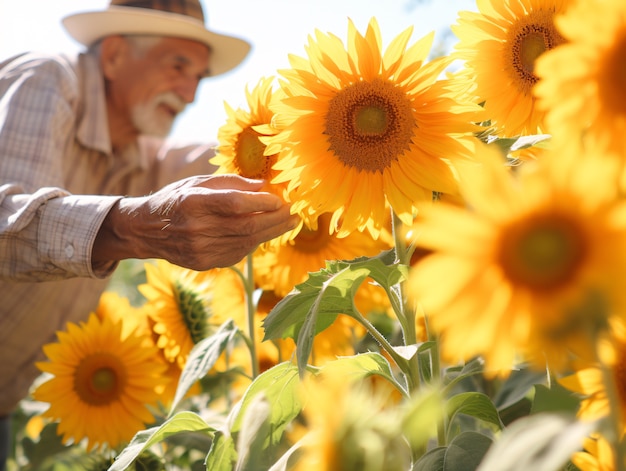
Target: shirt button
{"points": [[69, 250]]}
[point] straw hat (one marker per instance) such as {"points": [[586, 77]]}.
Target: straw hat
{"points": [[175, 18]]}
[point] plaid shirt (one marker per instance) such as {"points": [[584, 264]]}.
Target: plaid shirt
{"points": [[58, 179]]}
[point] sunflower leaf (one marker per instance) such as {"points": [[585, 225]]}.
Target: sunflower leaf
{"points": [[202, 358], [185, 421], [474, 404], [222, 455], [280, 383]]}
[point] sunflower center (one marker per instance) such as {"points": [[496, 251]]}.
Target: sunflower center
{"points": [[529, 38], [542, 254], [619, 373], [193, 311], [100, 379], [370, 125], [312, 241], [613, 88], [250, 161]]}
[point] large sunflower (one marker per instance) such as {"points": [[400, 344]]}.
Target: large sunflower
{"points": [[582, 83], [527, 269], [359, 128], [102, 382], [499, 45]]}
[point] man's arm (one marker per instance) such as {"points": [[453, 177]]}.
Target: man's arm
{"points": [[200, 223]]}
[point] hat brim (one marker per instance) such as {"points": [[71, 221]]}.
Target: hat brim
{"points": [[89, 27]]}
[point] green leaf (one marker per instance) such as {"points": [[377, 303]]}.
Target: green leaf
{"points": [[554, 399], [425, 411], [538, 442], [222, 456], [280, 385], [424, 358], [181, 422], [363, 365], [456, 374], [314, 305], [434, 460], [474, 404], [466, 452], [252, 438], [517, 386], [202, 358]]}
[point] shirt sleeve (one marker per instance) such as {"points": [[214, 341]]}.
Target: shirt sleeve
{"points": [[43, 235], [45, 232]]}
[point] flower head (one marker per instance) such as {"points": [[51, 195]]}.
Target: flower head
{"points": [[582, 82], [360, 129], [102, 382], [500, 45], [529, 267], [240, 150]]}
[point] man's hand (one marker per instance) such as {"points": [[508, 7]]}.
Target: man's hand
{"points": [[200, 223]]}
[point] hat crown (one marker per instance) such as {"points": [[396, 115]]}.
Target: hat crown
{"points": [[191, 8]]}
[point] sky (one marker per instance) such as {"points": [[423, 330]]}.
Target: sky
{"points": [[276, 28]]}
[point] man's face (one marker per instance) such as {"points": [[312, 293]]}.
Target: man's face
{"points": [[155, 86]]}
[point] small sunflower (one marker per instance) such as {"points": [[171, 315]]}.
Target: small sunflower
{"points": [[102, 382], [240, 150], [529, 266], [499, 45], [360, 129], [178, 303], [582, 84]]}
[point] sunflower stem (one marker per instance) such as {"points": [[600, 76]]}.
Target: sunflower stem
{"points": [[251, 311], [402, 362], [406, 316]]}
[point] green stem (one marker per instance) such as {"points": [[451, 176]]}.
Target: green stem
{"points": [[248, 282], [406, 315], [402, 362]]}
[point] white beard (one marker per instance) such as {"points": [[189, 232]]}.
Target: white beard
{"points": [[150, 119]]}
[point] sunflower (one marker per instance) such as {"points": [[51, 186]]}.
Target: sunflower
{"points": [[588, 379], [537, 259], [240, 150], [118, 308], [352, 425], [102, 382], [499, 45], [598, 455], [283, 266], [178, 304], [358, 129], [582, 82]]}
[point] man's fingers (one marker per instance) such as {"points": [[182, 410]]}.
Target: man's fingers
{"points": [[236, 202], [231, 182]]}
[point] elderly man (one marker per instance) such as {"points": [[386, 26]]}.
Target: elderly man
{"points": [[85, 176]]}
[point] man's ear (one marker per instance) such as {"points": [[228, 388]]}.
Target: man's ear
{"points": [[114, 52]]}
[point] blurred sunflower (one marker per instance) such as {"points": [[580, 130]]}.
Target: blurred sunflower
{"points": [[588, 380], [102, 382], [360, 129], [240, 151], [351, 426], [499, 45], [118, 308], [582, 82], [598, 455], [531, 265]]}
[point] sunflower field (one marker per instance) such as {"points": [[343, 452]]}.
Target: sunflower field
{"points": [[452, 300]]}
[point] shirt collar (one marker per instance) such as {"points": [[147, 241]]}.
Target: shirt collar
{"points": [[93, 127]]}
